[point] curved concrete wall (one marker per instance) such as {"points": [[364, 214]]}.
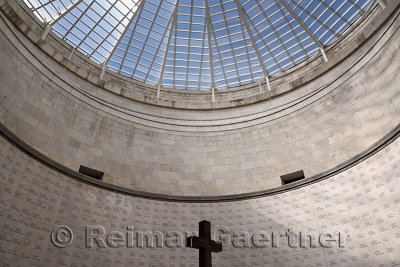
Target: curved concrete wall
{"points": [[325, 122], [362, 203]]}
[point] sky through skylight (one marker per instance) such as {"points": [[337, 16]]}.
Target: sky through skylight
{"points": [[199, 44]]}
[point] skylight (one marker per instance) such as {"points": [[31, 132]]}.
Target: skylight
{"points": [[199, 44]]}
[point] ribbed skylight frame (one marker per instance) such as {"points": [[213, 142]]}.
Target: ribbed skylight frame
{"points": [[199, 44]]}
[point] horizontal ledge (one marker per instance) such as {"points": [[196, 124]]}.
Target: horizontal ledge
{"points": [[40, 157]]}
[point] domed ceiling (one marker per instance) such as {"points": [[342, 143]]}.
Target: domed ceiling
{"points": [[199, 44]]}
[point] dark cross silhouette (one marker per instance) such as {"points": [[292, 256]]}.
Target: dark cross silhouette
{"points": [[204, 244]]}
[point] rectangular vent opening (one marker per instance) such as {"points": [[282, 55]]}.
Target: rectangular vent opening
{"points": [[91, 172], [292, 177]]}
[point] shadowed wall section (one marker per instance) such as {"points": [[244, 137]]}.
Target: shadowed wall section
{"points": [[362, 203]]}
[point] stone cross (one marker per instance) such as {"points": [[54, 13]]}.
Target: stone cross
{"points": [[204, 244]]}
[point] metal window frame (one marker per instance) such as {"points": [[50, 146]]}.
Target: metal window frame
{"points": [[246, 39]]}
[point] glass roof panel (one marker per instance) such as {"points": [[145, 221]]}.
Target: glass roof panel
{"points": [[199, 44]]}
